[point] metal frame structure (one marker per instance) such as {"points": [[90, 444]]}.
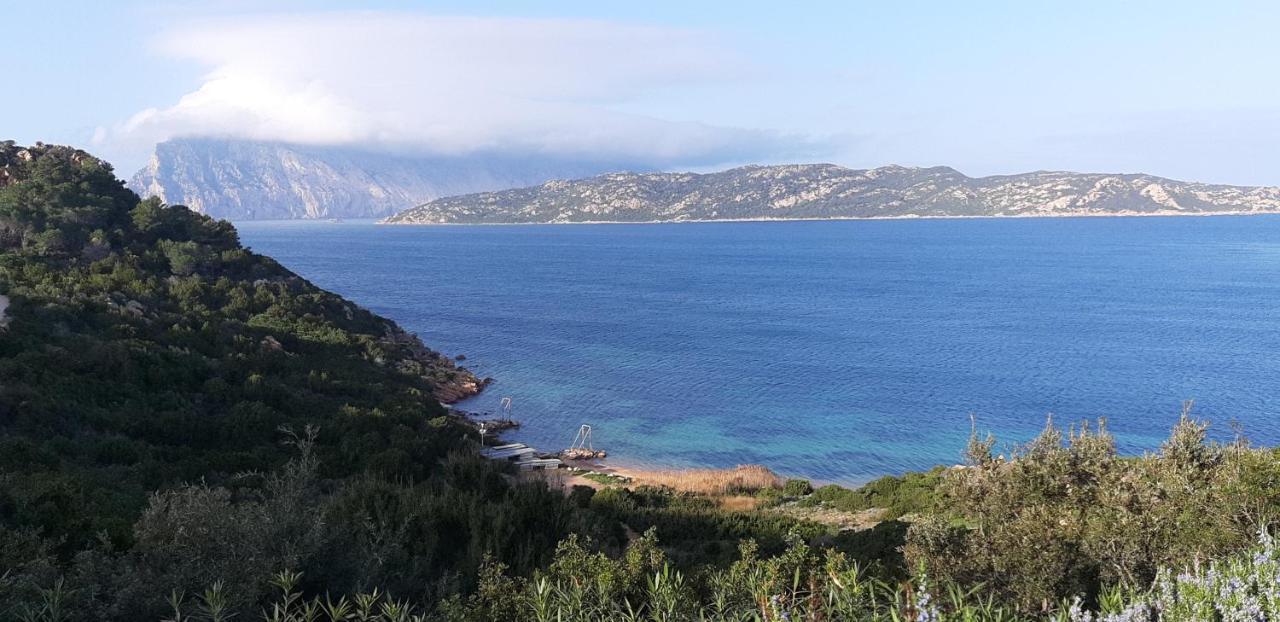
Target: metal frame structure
{"points": [[583, 439]]}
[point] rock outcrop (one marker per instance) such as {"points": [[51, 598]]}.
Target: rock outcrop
{"points": [[451, 382]]}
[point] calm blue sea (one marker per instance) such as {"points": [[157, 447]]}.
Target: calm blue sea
{"points": [[839, 351]]}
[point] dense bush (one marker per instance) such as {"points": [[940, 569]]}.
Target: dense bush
{"points": [[693, 528], [147, 348], [800, 584], [1065, 515], [797, 488], [912, 493]]}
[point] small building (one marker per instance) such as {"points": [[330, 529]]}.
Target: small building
{"points": [[539, 464], [508, 453]]}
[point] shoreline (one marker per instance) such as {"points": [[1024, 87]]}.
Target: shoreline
{"points": [[572, 471], [609, 464], [643, 471], [1160, 214]]}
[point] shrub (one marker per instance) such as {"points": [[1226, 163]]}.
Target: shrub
{"points": [[1066, 515], [912, 493], [797, 488]]}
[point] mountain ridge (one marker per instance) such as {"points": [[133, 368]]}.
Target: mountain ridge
{"points": [[828, 191], [257, 180]]}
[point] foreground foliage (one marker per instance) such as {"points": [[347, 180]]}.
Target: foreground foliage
{"points": [[1066, 515], [800, 585]]}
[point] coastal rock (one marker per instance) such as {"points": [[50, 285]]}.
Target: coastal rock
{"points": [[450, 382], [459, 388], [826, 191]]}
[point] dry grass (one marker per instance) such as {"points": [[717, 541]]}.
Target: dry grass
{"points": [[745, 478]]}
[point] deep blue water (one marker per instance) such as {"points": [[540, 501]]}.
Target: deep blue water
{"points": [[833, 350]]}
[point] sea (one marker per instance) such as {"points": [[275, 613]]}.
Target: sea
{"points": [[838, 351]]}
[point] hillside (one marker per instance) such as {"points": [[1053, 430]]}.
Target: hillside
{"points": [[824, 191], [179, 415], [248, 180], [158, 381]]}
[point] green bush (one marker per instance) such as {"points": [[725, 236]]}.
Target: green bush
{"points": [[582, 585], [797, 488], [1066, 515], [770, 496], [912, 493]]}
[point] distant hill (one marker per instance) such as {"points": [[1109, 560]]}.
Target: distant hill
{"points": [[821, 191], [246, 180]]}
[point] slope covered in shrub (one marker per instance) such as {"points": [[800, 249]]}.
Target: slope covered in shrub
{"points": [[144, 349]]}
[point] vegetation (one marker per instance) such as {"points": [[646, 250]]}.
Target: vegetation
{"points": [[1066, 516], [898, 496], [188, 431], [797, 488], [606, 478], [155, 380], [801, 584], [747, 478]]}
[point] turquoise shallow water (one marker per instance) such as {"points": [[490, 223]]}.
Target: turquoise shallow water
{"points": [[838, 351]]}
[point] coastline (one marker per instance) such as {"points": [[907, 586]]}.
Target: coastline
{"points": [[573, 470], [1159, 214]]}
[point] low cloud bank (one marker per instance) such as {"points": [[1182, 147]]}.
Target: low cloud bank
{"points": [[454, 86]]}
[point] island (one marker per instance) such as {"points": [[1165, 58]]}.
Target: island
{"points": [[830, 192]]}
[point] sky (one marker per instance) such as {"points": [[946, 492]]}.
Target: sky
{"points": [[1186, 90]]}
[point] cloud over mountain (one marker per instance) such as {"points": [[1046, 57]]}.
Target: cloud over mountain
{"points": [[454, 85]]}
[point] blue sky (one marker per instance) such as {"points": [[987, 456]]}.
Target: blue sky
{"points": [[1180, 89]]}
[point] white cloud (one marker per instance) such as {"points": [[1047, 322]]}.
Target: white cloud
{"points": [[453, 85]]}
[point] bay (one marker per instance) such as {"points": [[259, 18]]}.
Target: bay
{"points": [[838, 351]]}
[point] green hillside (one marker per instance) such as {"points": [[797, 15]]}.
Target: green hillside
{"points": [[145, 348]]}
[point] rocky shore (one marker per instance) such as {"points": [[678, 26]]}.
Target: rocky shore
{"points": [[452, 382]]}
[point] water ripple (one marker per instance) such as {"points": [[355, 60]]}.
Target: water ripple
{"points": [[838, 351]]}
